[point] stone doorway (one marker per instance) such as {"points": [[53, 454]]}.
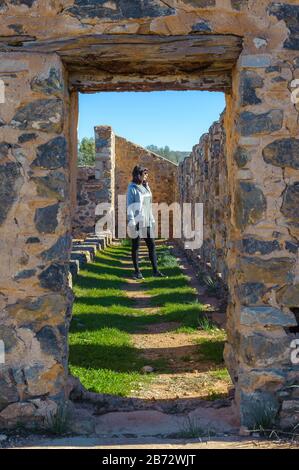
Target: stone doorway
{"points": [[38, 121]]}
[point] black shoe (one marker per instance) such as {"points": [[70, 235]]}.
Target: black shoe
{"points": [[158, 274], [138, 275]]}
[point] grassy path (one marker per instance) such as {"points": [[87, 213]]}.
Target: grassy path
{"points": [[120, 325]]}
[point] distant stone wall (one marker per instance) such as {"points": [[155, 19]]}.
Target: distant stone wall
{"points": [[88, 194], [162, 173], [203, 178], [95, 184]]}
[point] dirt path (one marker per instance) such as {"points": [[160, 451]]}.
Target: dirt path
{"points": [[182, 374]]}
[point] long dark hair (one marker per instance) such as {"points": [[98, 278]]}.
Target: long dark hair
{"points": [[137, 174]]}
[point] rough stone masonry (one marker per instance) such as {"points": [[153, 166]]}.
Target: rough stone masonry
{"points": [[202, 178], [49, 51]]}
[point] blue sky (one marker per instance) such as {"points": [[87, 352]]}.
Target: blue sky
{"points": [[173, 118]]}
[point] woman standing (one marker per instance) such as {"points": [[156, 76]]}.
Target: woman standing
{"points": [[140, 219]]}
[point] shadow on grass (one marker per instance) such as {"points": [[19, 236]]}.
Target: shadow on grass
{"points": [[105, 301], [120, 256], [97, 273], [187, 315], [100, 346], [122, 358], [173, 281], [172, 297], [211, 350], [98, 356], [93, 282]]}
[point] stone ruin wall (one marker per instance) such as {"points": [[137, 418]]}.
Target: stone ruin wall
{"points": [[88, 196], [202, 178], [35, 241], [94, 183], [45, 49]]}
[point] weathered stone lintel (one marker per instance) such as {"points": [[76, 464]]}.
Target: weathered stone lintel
{"points": [[93, 81], [208, 56]]}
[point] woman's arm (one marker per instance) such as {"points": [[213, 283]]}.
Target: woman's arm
{"points": [[131, 204], [152, 219]]}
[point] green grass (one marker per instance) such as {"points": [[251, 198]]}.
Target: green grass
{"points": [[187, 330], [59, 423], [191, 429], [211, 348], [102, 354], [263, 418], [205, 324], [220, 374]]}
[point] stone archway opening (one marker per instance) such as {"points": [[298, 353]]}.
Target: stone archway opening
{"points": [[189, 379], [37, 122], [195, 63]]}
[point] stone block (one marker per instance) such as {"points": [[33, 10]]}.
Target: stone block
{"points": [[242, 157], [289, 415], [37, 312], [50, 85], [60, 251], [272, 271], [16, 414], [252, 124], [290, 15], [88, 251], [253, 245], [250, 81], [283, 153], [251, 293], [121, 9], [46, 218], [250, 204], [96, 245], [288, 296], [201, 27], [11, 181], [263, 349], [256, 60], [290, 204], [48, 338], [74, 268], [8, 389], [54, 185], [82, 258], [27, 137], [265, 315], [54, 277], [52, 154], [43, 114]]}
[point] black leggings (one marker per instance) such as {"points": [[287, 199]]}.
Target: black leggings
{"points": [[150, 243]]}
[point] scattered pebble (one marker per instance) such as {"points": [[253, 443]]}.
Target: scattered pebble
{"points": [[147, 369]]}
